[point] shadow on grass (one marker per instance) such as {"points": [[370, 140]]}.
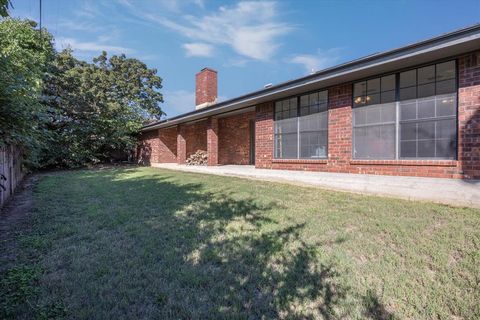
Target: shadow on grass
{"points": [[175, 249]]}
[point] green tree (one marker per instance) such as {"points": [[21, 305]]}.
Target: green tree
{"points": [[96, 108], [24, 58], [4, 5]]}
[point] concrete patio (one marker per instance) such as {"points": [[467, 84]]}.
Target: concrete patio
{"points": [[447, 191]]}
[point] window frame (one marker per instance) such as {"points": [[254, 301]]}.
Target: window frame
{"points": [[397, 101], [298, 99]]}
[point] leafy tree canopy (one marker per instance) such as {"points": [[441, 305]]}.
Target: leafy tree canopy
{"points": [[67, 112]]}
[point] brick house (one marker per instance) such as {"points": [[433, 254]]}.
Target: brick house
{"points": [[411, 111]]}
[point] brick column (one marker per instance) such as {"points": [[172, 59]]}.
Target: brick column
{"points": [[264, 135], [469, 115], [212, 141], [181, 145], [339, 127]]}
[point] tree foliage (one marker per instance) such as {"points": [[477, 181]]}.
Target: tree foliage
{"points": [[67, 112], [24, 57], [97, 108]]}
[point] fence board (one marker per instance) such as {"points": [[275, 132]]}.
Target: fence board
{"points": [[11, 173]]}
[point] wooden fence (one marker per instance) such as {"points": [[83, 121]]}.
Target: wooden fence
{"points": [[11, 172]]}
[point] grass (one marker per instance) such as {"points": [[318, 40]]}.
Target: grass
{"points": [[144, 243]]}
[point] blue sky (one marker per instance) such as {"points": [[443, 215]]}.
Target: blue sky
{"points": [[250, 43]]}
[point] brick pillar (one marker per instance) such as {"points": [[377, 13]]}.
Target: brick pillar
{"points": [[212, 141], [340, 127], [181, 145], [264, 135], [469, 115]]}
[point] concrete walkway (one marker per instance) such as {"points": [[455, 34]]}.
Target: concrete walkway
{"points": [[447, 191]]}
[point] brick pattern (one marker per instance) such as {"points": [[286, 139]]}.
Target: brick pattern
{"points": [[469, 115], [191, 138], [212, 141], [264, 135], [181, 145], [148, 147], [205, 86], [234, 138]]}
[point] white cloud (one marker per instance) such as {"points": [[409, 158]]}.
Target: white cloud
{"points": [[198, 49], [178, 101], [321, 60], [250, 28], [90, 46]]}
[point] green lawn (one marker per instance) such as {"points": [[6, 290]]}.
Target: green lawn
{"points": [[145, 243]]}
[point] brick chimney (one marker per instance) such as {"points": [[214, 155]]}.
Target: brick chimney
{"points": [[205, 88]]}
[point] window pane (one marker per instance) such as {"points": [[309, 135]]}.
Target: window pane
{"points": [[408, 149], [360, 89], [408, 110], [313, 144], [388, 96], [360, 116], [323, 96], [374, 115], [388, 83], [426, 149], [373, 86], [446, 105], [388, 112], [426, 75], [426, 108], [286, 126], [374, 142], [446, 129], [408, 93], [408, 131], [304, 101], [426, 130], [408, 78], [286, 146], [445, 148], [373, 99], [446, 86], [446, 70], [426, 90]]}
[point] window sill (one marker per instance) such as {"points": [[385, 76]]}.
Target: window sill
{"points": [[436, 163], [319, 161]]}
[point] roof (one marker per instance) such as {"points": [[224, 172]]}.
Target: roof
{"points": [[441, 47]]}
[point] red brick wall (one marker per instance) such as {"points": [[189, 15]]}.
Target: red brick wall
{"points": [[469, 115], [158, 145], [264, 135], [212, 141], [148, 147], [234, 138], [195, 136]]}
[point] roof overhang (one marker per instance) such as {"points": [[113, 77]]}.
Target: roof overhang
{"points": [[438, 48]]}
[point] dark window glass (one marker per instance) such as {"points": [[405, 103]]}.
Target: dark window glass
{"points": [[426, 90], [446, 86], [426, 75], [445, 70], [408, 78], [408, 93]]}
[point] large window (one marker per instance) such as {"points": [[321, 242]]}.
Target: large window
{"points": [[301, 127], [410, 115]]}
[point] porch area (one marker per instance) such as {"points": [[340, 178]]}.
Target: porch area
{"points": [[447, 191]]}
